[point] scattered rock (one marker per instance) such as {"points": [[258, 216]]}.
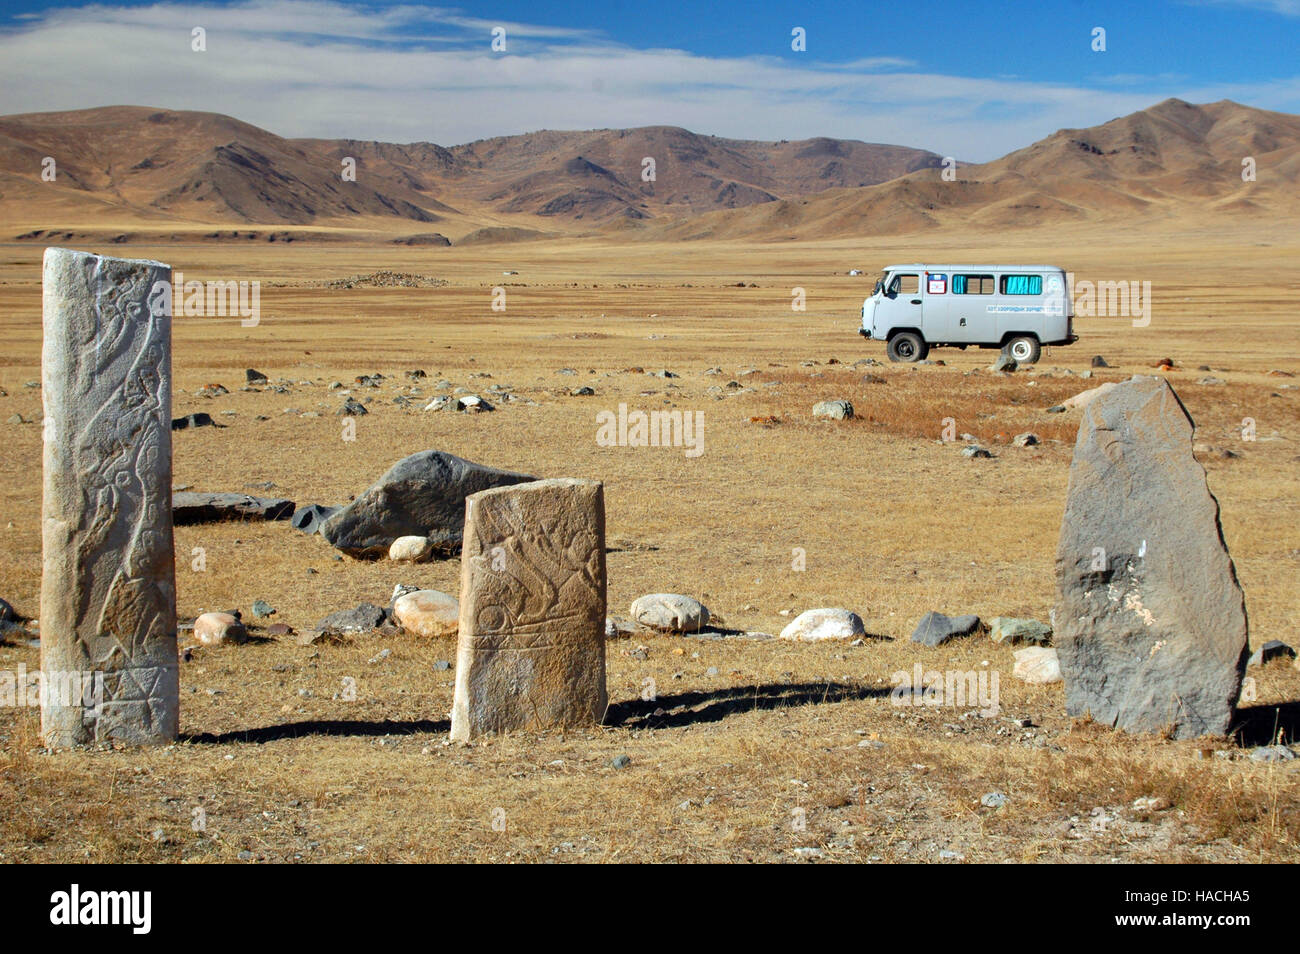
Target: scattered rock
{"points": [[214, 629], [421, 495], [1027, 439], [1004, 363], [974, 450], [410, 549], [1037, 664], [993, 800], [670, 612], [1150, 619], [7, 612], [189, 508], [262, 609], [362, 619], [620, 761], [279, 629], [1272, 753], [351, 408], [253, 376], [834, 410], [193, 420], [1273, 649], [817, 624], [935, 629], [1099, 362], [1010, 630], [427, 613]]}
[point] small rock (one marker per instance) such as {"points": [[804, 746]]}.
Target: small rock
{"points": [[974, 450], [410, 549], [935, 629], [670, 612], [1152, 803], [427, 613], [441, 665], [621, 761], [993, 799], [262, 609], [214, 629], [1004, 363], [1272, 753], [362, 619], [817, 624], [1009, 630], [1273, 649], [1099, 362], [834, 410], [1027, 439], [1037, 665], [351, 408], [253, 376]]}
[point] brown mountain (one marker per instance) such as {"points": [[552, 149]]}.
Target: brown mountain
{"points": [[1172, 160], [138, 166]]}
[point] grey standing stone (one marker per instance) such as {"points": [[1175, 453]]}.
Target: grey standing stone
{"points": [[1151, 622], [422, 495], [108, 589], [531, 649]]}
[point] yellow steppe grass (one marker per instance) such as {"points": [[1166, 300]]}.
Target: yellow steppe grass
{"points": [[788, 746]]}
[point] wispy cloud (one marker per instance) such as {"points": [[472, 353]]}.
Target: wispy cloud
{"points": [[404, 73]]}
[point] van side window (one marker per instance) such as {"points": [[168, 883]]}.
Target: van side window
{"points": [[1022, 284], [905, 285], [972, 284]]}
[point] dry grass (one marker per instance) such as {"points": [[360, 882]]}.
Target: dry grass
{"points": [[894, 522]]}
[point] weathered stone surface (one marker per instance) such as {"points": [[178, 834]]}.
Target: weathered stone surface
{"points": [[1012, 630], [421, 495], [190, 507], [1037, 664], [671, 612], [410, 549], [310, 518], [214, 629], [817, 624], [935, 629], [108, 588], [531, 651], [1150, 620], [427, 613]]}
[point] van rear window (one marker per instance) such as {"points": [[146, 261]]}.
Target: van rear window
{"points": [[972, 284], [1022, 284]]}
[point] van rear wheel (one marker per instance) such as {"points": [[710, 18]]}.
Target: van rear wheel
{"points": [[1024, 348], [907, 346]]}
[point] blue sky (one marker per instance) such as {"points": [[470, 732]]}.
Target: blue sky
{"points": [[972, 80]]}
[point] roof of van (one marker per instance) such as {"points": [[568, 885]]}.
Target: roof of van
{"points": [[979, 268]]}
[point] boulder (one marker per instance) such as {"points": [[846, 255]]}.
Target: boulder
{"points": [[189, 507], [1037, 664], [213, 629], [935, 629], [1010, 630], [834, 410], [421, 495], [427, 613], [670, 612], [1150, 621], [309, 519], [410, 550], [817, 624]]}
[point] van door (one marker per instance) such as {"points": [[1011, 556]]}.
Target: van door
{"points": [[968, 301], [900, 306]]}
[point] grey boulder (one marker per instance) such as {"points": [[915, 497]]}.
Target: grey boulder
{"points": [[422, 495], [935, 629]]}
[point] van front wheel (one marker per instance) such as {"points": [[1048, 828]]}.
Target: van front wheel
{"points": [[1024, 348], [907, 346]]}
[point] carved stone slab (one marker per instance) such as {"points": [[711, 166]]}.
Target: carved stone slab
{"points": [[108, 589], [531, 652]]}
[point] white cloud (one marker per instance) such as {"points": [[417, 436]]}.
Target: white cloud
{"points": [[319, 68]]}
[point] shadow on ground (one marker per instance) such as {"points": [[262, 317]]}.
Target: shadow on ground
{"points": [[1261, 725], [664, 712]]}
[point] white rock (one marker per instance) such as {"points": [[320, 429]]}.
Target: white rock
{"points": [[410, 549], [816, 624], [213, 629], [427, 613], [670, 611], [1037, 665]]}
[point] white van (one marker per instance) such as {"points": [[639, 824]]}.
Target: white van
{"points": [[1018, 308]]}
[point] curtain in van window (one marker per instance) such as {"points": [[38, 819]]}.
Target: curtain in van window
{"points": [[1024, 285], [959, 284]]}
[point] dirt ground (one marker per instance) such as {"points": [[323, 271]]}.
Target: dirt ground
{"points": [[752, 750]]}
